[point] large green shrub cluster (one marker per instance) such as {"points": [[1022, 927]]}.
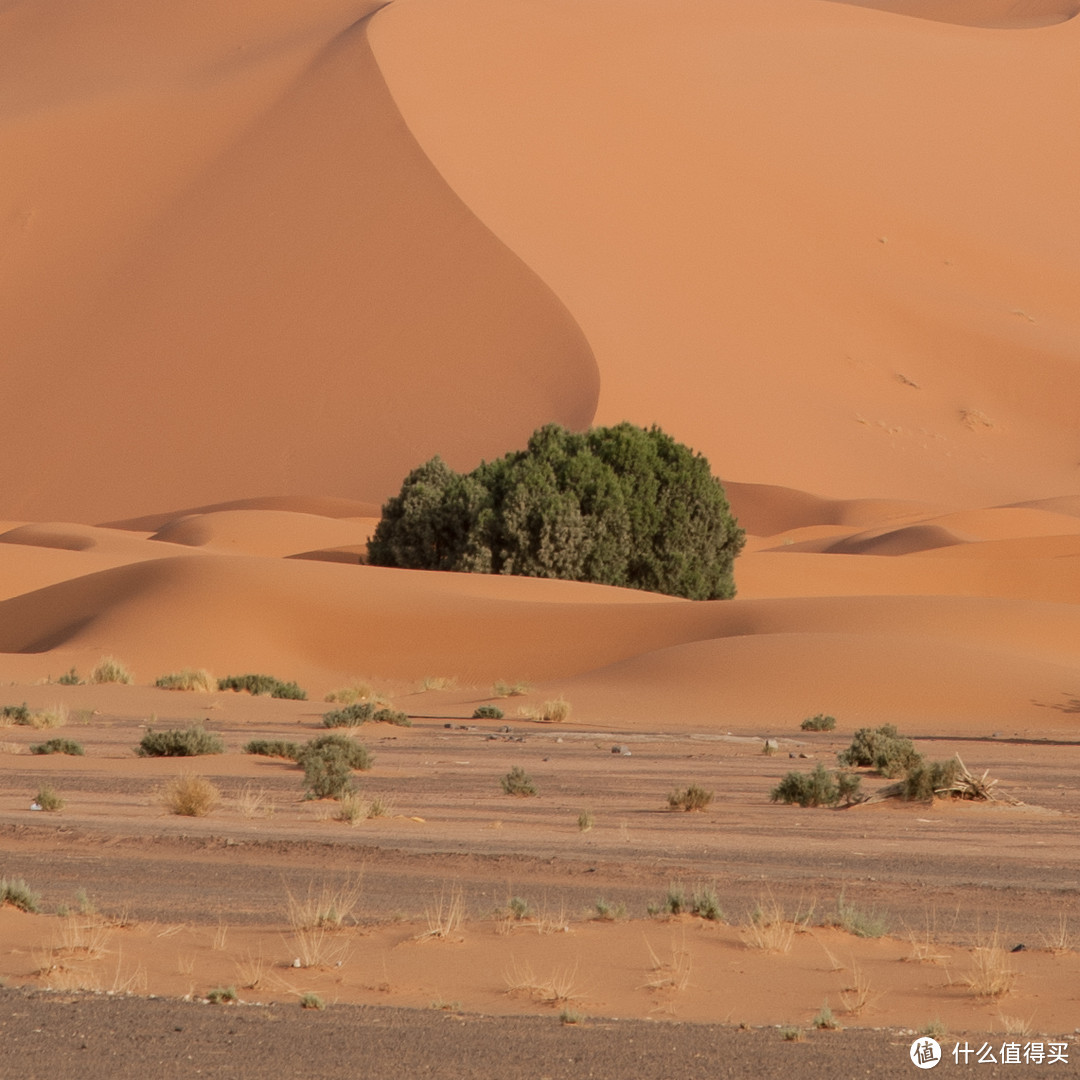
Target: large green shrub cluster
{"points": [[328, 762], [263, 684], [617, 505], [883, 749], [189, 742], [817, 788]]}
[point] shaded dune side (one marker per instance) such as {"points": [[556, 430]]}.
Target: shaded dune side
{"points": [[226, 612], [990, 14], [316, 315]]}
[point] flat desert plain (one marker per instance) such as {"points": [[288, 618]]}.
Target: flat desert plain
{"points": [[259, 261]]}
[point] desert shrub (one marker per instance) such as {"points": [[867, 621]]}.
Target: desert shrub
{"points": [[508, 689], [47, 799], [16, 714], [188, 679], [488, 712], [273, 748], [552, 712], [518, 782], [223, 995], [820, 722], [110, 670], [262, 685], [351, 716], [585, 821], [882, 748], [328, 763], [311, 1001], [391, 716], [349, 694], [817, 788], [190, 796], [705, 904], [691, 798], [57, 746], [607, 911], [17, 893], [854, 920], [191, 742], [924, 780], [825, 1021], [70, 678], [617, 505]]}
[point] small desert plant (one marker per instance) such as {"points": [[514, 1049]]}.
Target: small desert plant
{"points": [[518, 782], [865, 924], [691, 798], [110, 670], [705, 904], [15, 714], [508, 689], [435, 682], [882, 748], [17, 893], [392, 716], [54, 716], [360, 712], [351, 808], [190, 795], [262, 685], [605, 911], [585, 821], [1059, 939], [223, 995], [935, 1029], [991, 974], [791, 1034], [191, 742], [768, 928], [817, 788], [820, 722], [328, 763], [552, 712], [446, 915], [488, 712], [570, 1016], [254, 802], [348, 694], [518, 907], [189, 679], [70, 678], [825, 1021], [47, 799], [311, 1001], [929, 779], [273, 748], [379, 806], [57, 746]]}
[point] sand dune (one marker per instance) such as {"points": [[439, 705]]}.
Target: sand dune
{"points": [[1000, 14]]}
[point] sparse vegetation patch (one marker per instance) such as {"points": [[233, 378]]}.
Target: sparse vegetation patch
{"points": [[518, 782], [17, 893], [189, 742], [58, 746], [820, 722], [191, 679], [817, 788], [273, 748], [110, 670], [690, 798], [262, 685]]}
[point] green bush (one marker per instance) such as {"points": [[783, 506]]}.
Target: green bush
{"points": [[57, 746], [111, 670], [273, 748], [617, 506], [927, 778], [263, 685], [883, 749], [820, 722], [191, 742], [17, 893], [16, 714], [70, 678], [817, 788], [328, 763], [702, 902], [223, 995], [518, 782], [351, 716], [488, 712], [47, 799]]}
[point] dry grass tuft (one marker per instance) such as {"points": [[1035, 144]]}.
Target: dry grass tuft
{"points": [[446, 916], [436, 682], [671, 974], [506, 689], [1058, 939], [253, 802], [326, 907], [190, 679], [991, 974], [769, 928], [111, 670], [190, 795], [558, 987], [859, 995], [349, 695]]}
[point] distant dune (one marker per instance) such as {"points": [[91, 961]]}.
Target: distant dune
{"points": [[256, 263]]}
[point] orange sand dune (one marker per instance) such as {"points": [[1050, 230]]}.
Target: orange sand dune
{"points": [[292, 301], [831, 248], [1004, 14]]}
